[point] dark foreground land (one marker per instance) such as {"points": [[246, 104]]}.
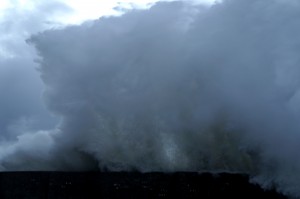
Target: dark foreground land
{"points": [[89, 185]]}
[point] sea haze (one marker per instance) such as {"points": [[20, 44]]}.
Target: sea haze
{"points": [[176, 87]]}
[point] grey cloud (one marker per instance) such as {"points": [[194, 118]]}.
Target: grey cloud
{"points": [[22, 108]]}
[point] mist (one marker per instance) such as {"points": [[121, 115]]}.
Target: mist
{"points": [[177, 87]]}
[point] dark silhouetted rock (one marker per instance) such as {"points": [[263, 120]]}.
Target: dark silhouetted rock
{"points": [[88, 185]]}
